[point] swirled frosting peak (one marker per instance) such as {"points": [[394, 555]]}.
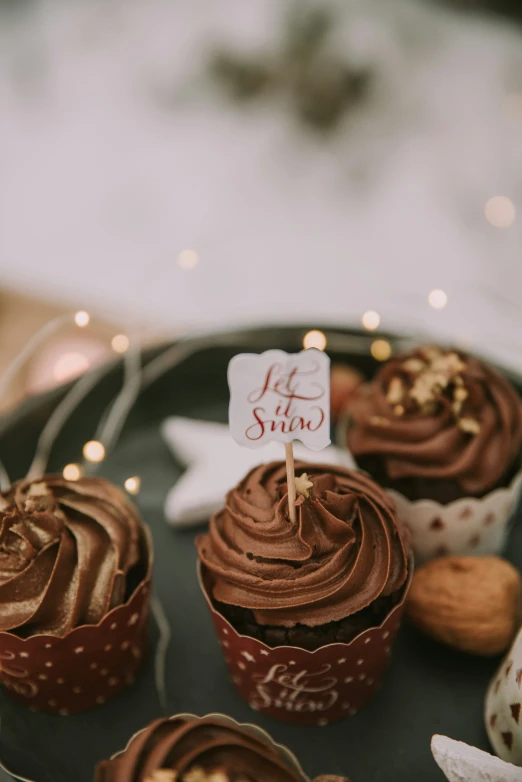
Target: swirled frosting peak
{"points": [[191, 749], [66, 551], [438, 414], [344, 552]]}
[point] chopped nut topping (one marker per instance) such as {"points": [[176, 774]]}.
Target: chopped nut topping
{"points": [[431, 353], [378, 420], [456, 408], [414, 365], [426, 386], [38, 497], [450, 363], [469, 425], [198, 774], [432, 376], [38, 489], [162, 775], [460, 394], [398, 410], [396, 391]]}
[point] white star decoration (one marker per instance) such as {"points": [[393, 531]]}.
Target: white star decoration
{"points": [[462, 763], [215, 463]]}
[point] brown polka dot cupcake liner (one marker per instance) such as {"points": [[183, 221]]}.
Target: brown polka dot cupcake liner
{"points": [[86, 667], [503, 707], [470, 525], [294, 685]]}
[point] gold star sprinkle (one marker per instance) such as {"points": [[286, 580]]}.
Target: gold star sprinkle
{"points": [[303, 485], [398, 410]]}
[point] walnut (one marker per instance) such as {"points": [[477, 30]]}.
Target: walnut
{"points": [[469, 603]]}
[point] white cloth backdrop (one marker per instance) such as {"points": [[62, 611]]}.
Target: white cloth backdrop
{"points": [[115, 154]]}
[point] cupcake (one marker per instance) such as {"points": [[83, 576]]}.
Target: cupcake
{"points": [[437, 427], [75, 565], [310, 608], [203, 749]]}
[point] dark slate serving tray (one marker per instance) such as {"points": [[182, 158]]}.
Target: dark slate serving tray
{"points": [[429, 689]]}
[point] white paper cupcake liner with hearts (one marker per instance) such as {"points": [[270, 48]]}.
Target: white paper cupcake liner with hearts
{"points": [[466, 526], [503, 707]]}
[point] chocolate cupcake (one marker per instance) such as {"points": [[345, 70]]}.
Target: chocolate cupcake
{"points": [[75, 563], [203, 749], [439, 425], [326, 581]]}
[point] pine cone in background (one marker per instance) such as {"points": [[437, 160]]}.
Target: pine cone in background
{"points": [[319, 87], [509, 8]]}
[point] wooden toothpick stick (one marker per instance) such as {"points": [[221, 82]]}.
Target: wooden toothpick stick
{"points": [[290, 480]]}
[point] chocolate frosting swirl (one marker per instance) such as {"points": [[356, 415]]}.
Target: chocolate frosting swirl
{"points": [[67, 549], [438, 414], [195, 750], [343, 553]]}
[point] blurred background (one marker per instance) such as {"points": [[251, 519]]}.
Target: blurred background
{"points": [[177, 165]]}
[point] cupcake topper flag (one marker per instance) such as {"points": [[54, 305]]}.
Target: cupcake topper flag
{"points": [[284, 397]]}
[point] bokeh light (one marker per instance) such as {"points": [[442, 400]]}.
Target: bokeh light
{"points": [[133, 484], [381, 349], [314, 339], [120, 343], [437, 299], [82, 318], [500, 211], [187, 259], [94, 451], [72, 472], [371, 320]]}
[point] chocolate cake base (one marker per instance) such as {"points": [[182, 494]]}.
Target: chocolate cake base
{"points": [[310, 638], [443, 491]]}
